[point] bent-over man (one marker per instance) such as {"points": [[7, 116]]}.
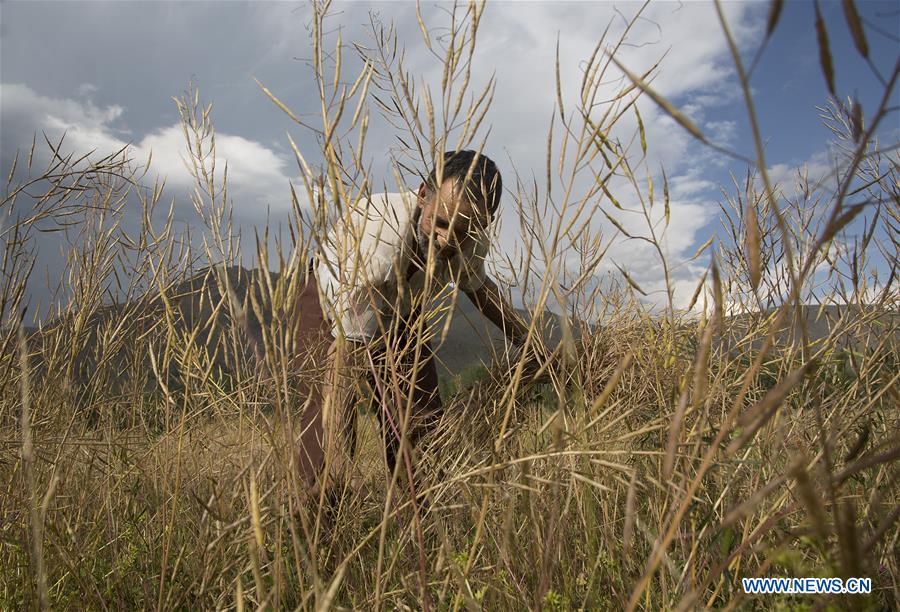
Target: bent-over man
{"points": [[380, 263]]}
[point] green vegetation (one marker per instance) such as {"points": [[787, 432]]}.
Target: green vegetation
{"points": [[463, 381]]}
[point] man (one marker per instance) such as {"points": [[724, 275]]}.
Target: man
{"points": [[376, 270]]}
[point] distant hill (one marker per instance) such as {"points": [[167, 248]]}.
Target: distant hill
{"points": [[871, 325], [471, 340]]}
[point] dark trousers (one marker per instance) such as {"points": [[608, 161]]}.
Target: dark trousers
{"points": [[384, 375]]}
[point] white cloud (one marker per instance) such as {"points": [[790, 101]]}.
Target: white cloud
{"points": [[26, 111], [689, 184], [790, 177], [518, 43], [721, 132], [86, 90], [257, 176]]}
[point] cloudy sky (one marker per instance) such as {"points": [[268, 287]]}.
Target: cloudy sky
{"points": [[105, 74]]}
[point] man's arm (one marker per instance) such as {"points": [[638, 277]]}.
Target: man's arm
{"points": [[499, 311]]}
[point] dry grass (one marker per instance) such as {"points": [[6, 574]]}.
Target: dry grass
{"points": [[147, 457]]}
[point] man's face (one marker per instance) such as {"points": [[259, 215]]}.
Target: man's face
{"points": [[451, 232]]}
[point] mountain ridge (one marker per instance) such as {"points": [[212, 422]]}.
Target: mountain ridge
{"points": [[471, 338]]}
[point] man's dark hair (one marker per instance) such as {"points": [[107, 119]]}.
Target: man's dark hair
{"points": [[484, 183]]}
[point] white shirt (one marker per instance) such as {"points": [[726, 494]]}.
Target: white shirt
{"points": [[362, 287]]}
